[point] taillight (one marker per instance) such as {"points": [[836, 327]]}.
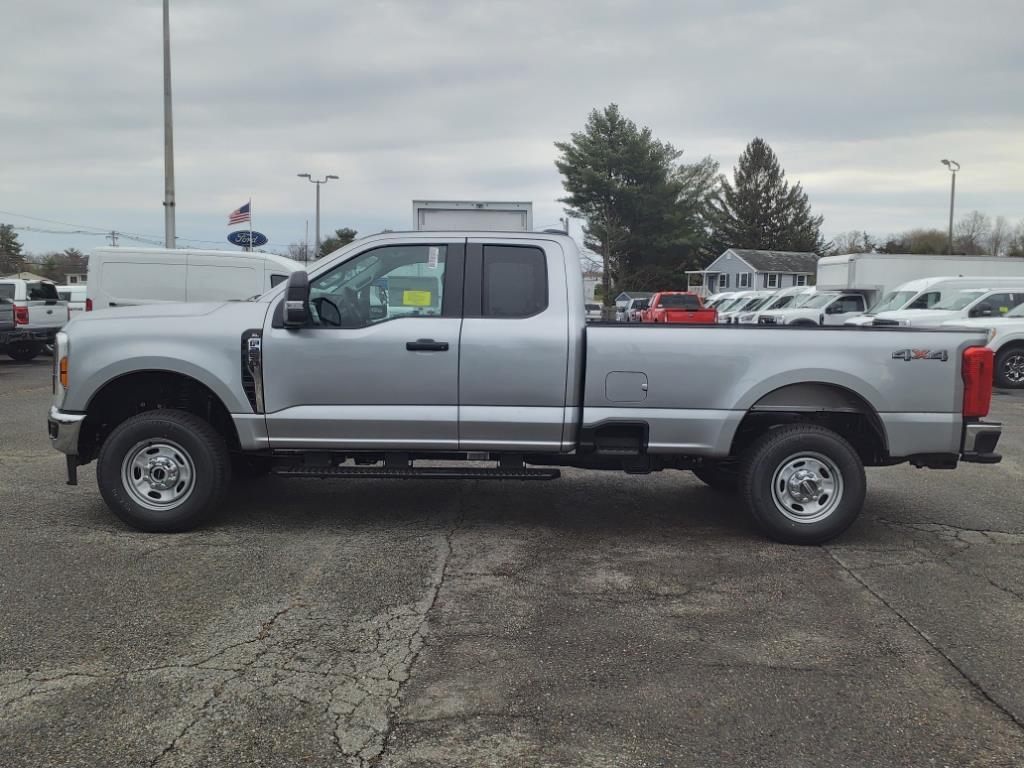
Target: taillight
{"points": [[63, 372], [977, 374], [21, 315], [88, 305]]}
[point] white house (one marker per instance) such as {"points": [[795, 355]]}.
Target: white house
{"points": [[739, 269]]}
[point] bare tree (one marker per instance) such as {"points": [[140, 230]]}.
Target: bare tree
{"points": [[999, 236], [972, 233], [853, 242], [299, 251], [1015, 246]]}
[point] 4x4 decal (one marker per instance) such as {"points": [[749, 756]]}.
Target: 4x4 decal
{"points": [[920, 354]]}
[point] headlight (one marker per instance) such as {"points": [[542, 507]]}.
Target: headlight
{"points": [[904, 323], [991, 335]]}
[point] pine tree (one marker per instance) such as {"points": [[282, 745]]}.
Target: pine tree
{"points": [[643, 210], [11, 260], [760, 210]]}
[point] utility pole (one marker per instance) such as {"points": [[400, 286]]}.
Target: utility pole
{"points": [[112, 237], [305, 244], [169, 238], [952, 197], [316, 253]]}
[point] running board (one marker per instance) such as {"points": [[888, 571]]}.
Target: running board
{"points": [[420, 473]]}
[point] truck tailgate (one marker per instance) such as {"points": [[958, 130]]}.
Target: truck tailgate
{"points": [[46, 314], [688, 316]]}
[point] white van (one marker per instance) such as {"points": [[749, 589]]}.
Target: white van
{"points": [[74, 295], [926, 293], [124, 277], [962, 303]]}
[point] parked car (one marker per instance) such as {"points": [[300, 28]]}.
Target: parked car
{"points": [[783, 299], [717, 300], [386, 355], [962, 304], [748, 303], [38, 315], [1006, 340], [635, 309], [825, 308], [125, 277], [929, 291], [593, 311], [678, 307], [74, 295]]}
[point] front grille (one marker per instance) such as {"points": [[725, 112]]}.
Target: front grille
{"points": [[882, 321], [763, 320]]}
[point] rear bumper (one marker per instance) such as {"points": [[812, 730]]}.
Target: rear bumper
{"points": [[40, 336], [64, 429], [979, 442]]}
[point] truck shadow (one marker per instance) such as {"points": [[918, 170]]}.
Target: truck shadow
{"points": [[583, 504]]}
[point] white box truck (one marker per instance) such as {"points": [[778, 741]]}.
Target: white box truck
{"points": [[876, 274], [471, 215]]}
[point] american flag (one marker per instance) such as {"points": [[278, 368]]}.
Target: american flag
{"points": [[239, 215]]}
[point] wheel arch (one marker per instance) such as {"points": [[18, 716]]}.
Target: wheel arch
{"points": [[828, 404], [128, 394]]}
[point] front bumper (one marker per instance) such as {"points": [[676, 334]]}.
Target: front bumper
{"points": [[979, 442], [64, 429]]}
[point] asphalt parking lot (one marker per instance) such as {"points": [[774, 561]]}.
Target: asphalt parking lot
{"points": [[601, 620]]}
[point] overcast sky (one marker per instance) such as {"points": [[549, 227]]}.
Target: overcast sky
{"points": [[460, 100]]}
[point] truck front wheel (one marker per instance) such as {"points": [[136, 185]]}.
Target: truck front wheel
{"points": [[1010, 368], [804, 484], [164, 471]]}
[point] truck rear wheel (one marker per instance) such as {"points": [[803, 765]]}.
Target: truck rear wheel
{"points": [[164, 471], [804, 484], [23, 351]]}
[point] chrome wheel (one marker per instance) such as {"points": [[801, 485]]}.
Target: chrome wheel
{"points": [[1013, 368], [158, 474], [807, 487]]}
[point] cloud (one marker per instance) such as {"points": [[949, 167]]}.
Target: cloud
{"points": [[464, 99]]}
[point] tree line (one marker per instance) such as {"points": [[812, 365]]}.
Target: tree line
{"points": [[651, 217]]}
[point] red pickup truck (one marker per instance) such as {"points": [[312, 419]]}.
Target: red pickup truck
{"points": [[678, 307]]}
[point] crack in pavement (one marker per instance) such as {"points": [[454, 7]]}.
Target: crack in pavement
{"points": [[979, 689], [373, 756]]}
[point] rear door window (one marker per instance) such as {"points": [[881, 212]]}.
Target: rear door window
{"points": [[7, 291], [515, 281], [679, 301], [39, 291]]}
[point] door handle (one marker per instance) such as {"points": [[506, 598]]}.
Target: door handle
{"points": [[426, 345]]}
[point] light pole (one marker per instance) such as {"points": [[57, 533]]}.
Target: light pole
{"points": [[953, 166], [318, 182], [169, 239]]}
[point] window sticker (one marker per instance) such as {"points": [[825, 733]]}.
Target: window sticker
{"points": [[432, 255], [416, 298]]}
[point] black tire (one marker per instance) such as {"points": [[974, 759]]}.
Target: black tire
{"points": [[723, 476], [183, 443], [24, 351], [812, 513], [1010, 368], [803, 322]]}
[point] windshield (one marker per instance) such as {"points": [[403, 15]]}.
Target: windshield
{"points": [[679, 301], [894, 300], [801, 300], [779, 302], [758, 303], [818, 300], [729, 305], [959, 300]]}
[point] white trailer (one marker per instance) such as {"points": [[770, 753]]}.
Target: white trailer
{"points": [[471, 215], [876, 274]]}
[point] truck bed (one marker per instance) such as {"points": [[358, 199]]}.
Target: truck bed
{"points": [[692, 385]]}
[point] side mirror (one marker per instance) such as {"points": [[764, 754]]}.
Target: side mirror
{"points": [[296, 301], [982, 311]]}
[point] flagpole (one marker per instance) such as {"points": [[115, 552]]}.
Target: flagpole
{"points": [[250, 224]]}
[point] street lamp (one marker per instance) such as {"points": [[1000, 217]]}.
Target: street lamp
{"points": [[953, 166], [318, 182]]}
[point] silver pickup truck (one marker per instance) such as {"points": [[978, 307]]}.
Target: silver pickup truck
{"points": [[421, 355]]}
